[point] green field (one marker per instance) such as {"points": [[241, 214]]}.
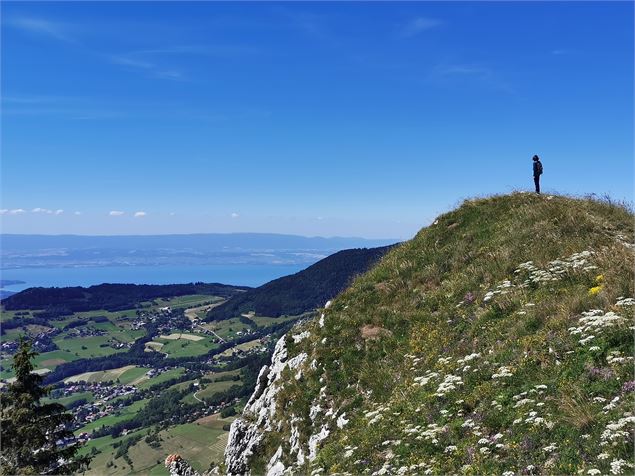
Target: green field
{"points": [[212, 388], [48, 360], [106, 454], [7, 370], [169, 374], [183, 347], [103, 375], [86, 347], [245, 346], [263, 321], [226, 329], [7, 315], [133, 375], [71, 398], [52, 359], [192, 300], [97, 346], [200, 443]]}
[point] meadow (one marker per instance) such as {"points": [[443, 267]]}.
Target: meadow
{"points": [[200, 442]]}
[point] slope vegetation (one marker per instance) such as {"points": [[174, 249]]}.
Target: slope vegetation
{"points": [[498, 341], [304, 291]]}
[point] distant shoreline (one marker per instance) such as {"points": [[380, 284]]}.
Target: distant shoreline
{"points": [[252, 275]]}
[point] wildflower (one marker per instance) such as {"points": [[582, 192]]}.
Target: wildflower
{"points": [[622, 301], [449, 383], [586, 339], [550, 449], [594, 472], [431, 433], [599, 278], [469, 423], [450, 449], [503, 372], [617, 465], [594, 291]]}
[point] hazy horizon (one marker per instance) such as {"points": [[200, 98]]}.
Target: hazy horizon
{"points": [[203, 233]]}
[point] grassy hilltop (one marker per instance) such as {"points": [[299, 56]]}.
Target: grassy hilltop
{"points": [[498, 340]]}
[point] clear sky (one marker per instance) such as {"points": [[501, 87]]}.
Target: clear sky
{"points": [[353, 119]]}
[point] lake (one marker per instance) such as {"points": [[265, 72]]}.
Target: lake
{"points": [[237, 274]]}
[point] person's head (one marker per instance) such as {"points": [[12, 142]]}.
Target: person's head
{"points": [[536, 159]]}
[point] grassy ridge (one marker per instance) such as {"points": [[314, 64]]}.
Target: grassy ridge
{"points": [[468, 350]]}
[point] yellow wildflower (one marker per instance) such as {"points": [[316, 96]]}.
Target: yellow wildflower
{"points": [[594, 291], [599, 278]]}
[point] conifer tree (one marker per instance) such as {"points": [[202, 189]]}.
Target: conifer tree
{"points": [[34, 436]]}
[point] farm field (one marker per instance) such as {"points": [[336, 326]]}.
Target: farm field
{"points": [[104, 445], [163, 377], [244, 347], [100, 375], [212, 388], [184, 345], [71, 398], [182, 302], [264, 321], [87, 347], [226, 329], [46, 360], [200, 443], [128, 375]]}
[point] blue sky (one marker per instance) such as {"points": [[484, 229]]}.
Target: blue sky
{"points": [[356, 119]]}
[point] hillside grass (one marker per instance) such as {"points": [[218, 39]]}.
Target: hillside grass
{"points": [[466, 350]]}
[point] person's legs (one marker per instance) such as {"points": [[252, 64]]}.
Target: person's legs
{"points": [[537, 183]]}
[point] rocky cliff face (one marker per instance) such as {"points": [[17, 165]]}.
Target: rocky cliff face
{"points": [[261, 415], [498, 340]]}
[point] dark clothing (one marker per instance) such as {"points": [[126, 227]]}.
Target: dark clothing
{"points": [[537, 174]]}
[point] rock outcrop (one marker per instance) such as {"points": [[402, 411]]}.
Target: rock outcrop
{"points": [[177, 466]]}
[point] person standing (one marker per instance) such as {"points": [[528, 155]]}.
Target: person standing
{"points": [[537, 172]]}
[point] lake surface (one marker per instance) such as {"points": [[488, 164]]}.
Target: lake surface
{"points": [[237, 274]]}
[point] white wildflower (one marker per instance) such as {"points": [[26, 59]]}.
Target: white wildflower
{"points": [[503, 372]]}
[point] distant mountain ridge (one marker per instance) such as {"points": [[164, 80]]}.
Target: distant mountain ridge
{"points": [[111, 297], [199, 240], [305, 290], [20, 251]]}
